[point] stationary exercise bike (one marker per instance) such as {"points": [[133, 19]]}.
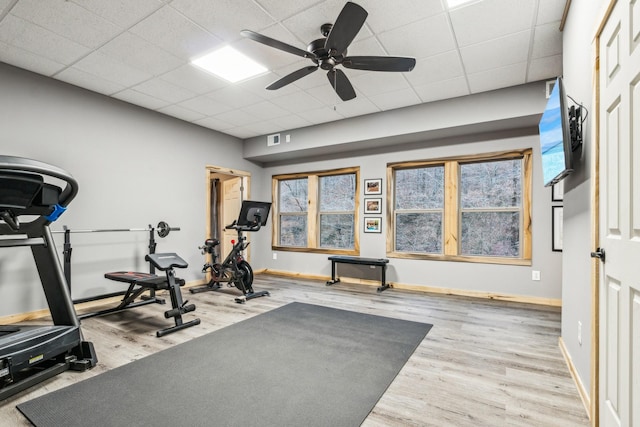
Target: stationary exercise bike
{"points": [[235, 270]]}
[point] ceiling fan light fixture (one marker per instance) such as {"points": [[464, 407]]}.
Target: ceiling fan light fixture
{"points": [[229, 64]]}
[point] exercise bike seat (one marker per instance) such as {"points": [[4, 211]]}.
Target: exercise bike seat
{"points": [[166, 261]]}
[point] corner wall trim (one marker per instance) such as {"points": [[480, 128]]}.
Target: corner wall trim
{"points": [[584, 394]]}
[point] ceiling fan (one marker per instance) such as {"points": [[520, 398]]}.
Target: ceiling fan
{"points": [[331, 50]]}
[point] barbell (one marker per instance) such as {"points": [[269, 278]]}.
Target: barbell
{"points": [[162, 229]]}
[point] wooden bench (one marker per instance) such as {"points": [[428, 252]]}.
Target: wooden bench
{"points": [[375, 262]]}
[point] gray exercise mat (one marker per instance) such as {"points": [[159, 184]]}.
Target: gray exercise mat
{"points": [[298, 365]]}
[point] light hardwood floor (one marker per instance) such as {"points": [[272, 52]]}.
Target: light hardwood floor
{"points": [[484, 363]]}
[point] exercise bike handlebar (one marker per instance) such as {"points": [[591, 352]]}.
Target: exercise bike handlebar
{"points": [[234, 226]]}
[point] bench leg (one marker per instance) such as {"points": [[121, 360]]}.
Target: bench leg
{"points": [[383, 281], [333, 274]]}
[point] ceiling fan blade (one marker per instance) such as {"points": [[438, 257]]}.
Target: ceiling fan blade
{"points": [[341, 84], [379, 63], [290, 78], [345, 29], [276, 43]]}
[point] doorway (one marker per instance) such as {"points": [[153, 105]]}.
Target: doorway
{"points": [[226, 189]]}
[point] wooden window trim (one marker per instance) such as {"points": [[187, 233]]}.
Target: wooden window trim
{"points": [[313, 212], [452, 212]]}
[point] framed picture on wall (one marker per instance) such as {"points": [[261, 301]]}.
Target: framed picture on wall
{"points": [[373, 224], [556, 228], [373, 206], [372, 186], [557, 192]]}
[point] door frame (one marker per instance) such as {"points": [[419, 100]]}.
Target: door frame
{"points": [[595, 223], [222, 173]]}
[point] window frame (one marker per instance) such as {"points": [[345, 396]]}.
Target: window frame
{"points": [[313, 212], [453, 212]]}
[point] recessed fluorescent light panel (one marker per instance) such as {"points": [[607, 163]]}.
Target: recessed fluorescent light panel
{"points": [[457, 3], [229, 64]]}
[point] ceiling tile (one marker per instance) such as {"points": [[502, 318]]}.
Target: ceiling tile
{"points": [[357, 107], [139, 53], [214, 123], [281, 9], [321, 115], [205, 104], [297, 102], [224, 18], [235, 117], [68, 20], [373, 82], [142, 99], [436, 68], [291, 121], [176, 34], [496, 53], [123, 13], [550, 11], [548, 41], [111, 69], [265, 110], [395, 99], [489, 19], [4, 4], [181, 113], [511, 75], [92, 82], [39, 41], [420, 39], [164, 90], [545, 68], [29, 61], [193, 79], [235, 97], [442, 90], [384, 16]]}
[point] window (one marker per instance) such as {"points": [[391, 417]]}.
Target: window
{"points": [[317, 212], [466, 209]]}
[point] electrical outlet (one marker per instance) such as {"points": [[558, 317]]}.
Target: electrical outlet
{"points": [[275, 255], [535, 275], [579, 332]]}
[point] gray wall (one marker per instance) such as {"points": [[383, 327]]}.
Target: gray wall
{"points": [[500, 109], [578, 66], [134, 168]]}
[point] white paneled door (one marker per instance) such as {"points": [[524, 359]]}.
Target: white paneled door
{"points": [[619, 193]]}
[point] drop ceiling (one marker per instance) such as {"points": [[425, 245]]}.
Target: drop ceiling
{"points": [[140, 52]]}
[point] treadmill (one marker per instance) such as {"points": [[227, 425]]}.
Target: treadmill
{"points": [[33, 194]]}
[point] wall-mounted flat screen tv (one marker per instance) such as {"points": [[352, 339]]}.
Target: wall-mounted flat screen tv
{"points": [[555, 139]]}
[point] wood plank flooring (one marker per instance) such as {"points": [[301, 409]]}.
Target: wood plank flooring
{"points": [[484, 363]]}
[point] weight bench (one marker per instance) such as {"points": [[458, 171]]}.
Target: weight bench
{"points": [[141, 282], [375, 262]]}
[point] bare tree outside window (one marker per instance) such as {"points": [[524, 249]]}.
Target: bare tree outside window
{"points": [[491, 200], [292, 208], [473, 209], [317, 211], [419, 207], [337, 211]]}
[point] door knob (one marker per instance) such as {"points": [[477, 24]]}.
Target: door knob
{"points": [[599, 253]]}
